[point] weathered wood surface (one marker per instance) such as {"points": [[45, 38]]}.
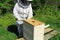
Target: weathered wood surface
{"points": [[49, 35], [47, 30], [34, 22], [21, 39]]}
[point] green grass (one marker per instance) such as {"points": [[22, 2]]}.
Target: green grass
{"points": [[5, 21], [56, 37], [5, 35]]}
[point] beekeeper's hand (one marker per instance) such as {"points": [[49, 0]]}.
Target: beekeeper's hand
{"points": [[20, 19], [29, 18]]}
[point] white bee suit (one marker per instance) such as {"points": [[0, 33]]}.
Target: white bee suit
{"points": [[22, 12]]}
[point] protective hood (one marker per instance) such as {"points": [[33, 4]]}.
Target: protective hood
{"points": [[20, 3]]}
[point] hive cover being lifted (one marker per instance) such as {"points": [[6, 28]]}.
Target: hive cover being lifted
{"points": [[34, 22]]}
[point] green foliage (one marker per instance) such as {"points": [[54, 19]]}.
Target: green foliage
{"points": [[56, 37], [49, 15], [6, 6], [5, 35], [7, 20]]}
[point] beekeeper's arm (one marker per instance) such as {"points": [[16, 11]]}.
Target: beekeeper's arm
{"points": [[30, 15], [15, 12]]}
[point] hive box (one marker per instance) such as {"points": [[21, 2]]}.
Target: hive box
{"points": [[33, 29]]}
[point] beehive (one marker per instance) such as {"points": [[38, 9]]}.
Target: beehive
{"points": [[33, 29]]}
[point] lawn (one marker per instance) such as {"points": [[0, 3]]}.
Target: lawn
{"points": [[7, 21]]}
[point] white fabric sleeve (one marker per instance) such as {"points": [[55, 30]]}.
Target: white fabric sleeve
{"points": [[30, 14], [15, 12]]}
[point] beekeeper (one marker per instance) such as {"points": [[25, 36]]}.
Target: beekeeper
{"points": [[22, 11]]}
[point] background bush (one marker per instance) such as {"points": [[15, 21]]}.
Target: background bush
{"points": [[6, 6]]}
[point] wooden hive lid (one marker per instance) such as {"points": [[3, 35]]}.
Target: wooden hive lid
{"points": [[34, 22]]}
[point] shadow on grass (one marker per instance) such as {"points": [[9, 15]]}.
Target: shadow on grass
{"points": [[13, 29]]}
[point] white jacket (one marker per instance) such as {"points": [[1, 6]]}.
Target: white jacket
{"points": [[22, 13]]}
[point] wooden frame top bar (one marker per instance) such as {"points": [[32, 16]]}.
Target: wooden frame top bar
{"points": [[33, 22]]}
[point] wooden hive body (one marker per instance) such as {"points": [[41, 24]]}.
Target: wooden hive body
{"points": [[33, 29]]}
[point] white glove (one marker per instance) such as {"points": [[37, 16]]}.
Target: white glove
{"points": [[20, 19]]}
